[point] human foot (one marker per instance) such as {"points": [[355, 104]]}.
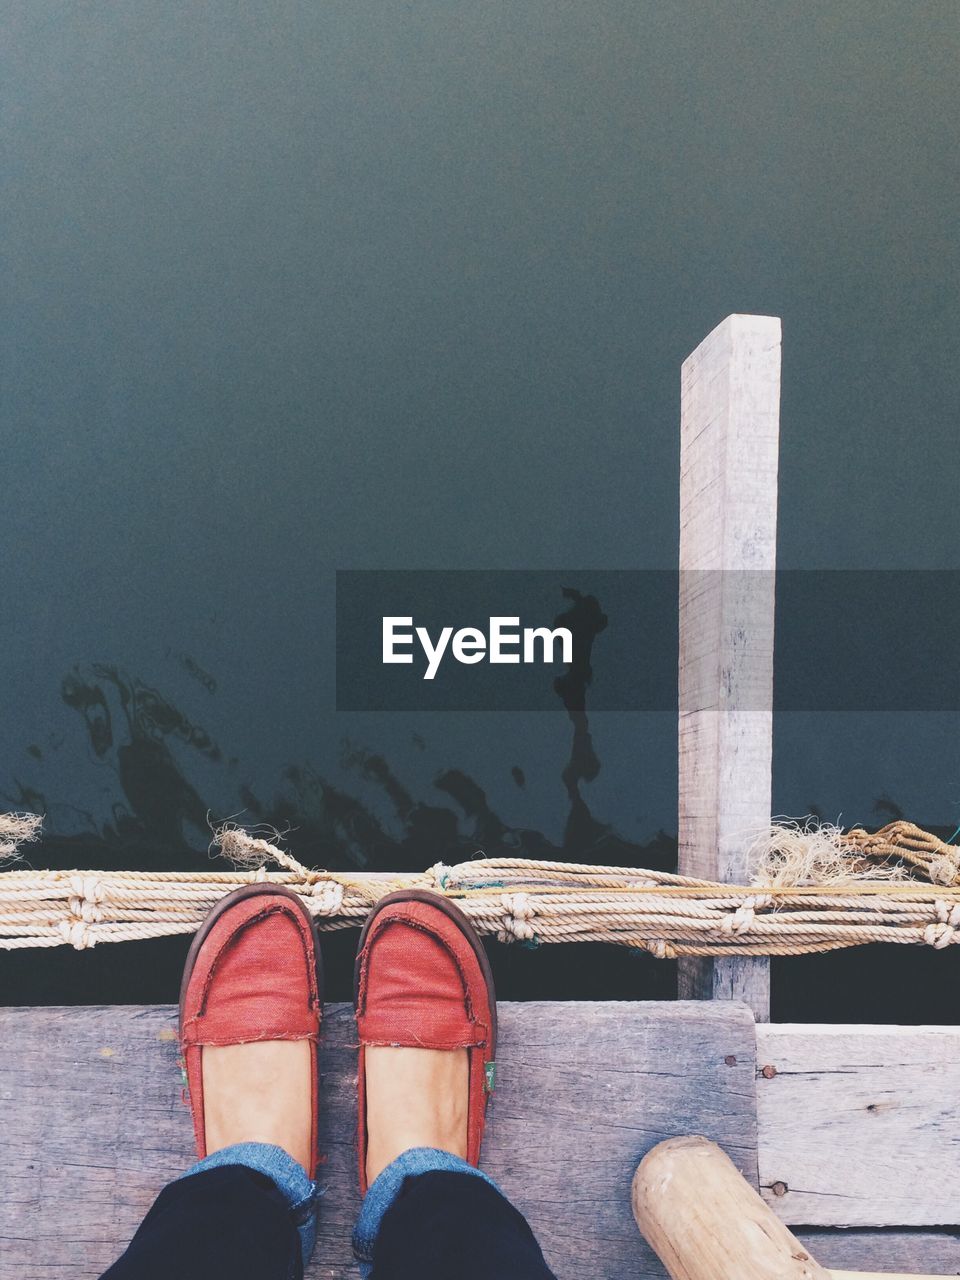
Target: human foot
{"points": [[415, 1098], [259, 1092], [426, 1018], [250, 1009]]}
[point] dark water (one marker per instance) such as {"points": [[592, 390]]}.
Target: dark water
{"points": [[355, 285]]}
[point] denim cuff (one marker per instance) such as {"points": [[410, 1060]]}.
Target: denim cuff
{"points": [[387, 1186], [288, 1175]]}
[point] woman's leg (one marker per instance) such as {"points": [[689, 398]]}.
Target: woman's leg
{"points": [[249, 1025], [229, 1221], [426, 1018], [443, 1223]]}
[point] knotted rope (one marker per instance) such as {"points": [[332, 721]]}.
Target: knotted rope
{"points": [[928, 855], [515, 900]]}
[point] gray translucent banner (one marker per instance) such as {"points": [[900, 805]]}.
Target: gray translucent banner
{"points": [[607, 640]]}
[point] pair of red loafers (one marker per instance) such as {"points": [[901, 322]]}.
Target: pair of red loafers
{"points": [[422, 980]]}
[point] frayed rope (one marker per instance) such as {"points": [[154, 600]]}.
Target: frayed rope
{"points": [[17, 829]]}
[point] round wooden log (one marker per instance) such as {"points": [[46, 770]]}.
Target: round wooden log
{"points": [[705, 1222]]}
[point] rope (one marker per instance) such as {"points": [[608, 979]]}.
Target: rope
{"points": [[516, 900], [928, 855], [17, 829]]}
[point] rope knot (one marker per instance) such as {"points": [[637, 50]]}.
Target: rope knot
{"points": [[90, 888], [938, 936], [740, 921], [945, 868], [942, 933], [441, 874], [76, 933], [326, 897], [516, 923], [87, 894]]}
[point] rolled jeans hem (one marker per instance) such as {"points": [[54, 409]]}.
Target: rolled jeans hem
{"points": [[388, 1184], [288, 1175]]}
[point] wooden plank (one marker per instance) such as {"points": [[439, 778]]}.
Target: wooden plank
{"points": [[729, 446], [93, 1121], [937, 1252], [885, 1275], [860, 1126]]}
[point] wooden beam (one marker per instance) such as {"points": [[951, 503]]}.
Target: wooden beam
{"points": [[858, 1126], [884, 1275], [935, 1251], [705, 1222], [92, 1119], [729, 445]]}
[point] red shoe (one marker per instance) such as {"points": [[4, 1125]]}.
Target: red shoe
{"points": [[423, 981], [253, 972]]}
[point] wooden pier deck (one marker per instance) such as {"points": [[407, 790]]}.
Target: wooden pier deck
{"points": [[841, 1129]]}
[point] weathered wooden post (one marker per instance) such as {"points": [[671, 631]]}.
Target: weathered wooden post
{"points": [[729, 445], [705, 1222]]}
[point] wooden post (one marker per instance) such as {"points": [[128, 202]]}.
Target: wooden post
{"points": [[705, 1222], [729, 444]]}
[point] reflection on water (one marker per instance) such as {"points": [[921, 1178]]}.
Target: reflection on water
{"points": [[585, 620], [163, 761], [135, 737]]}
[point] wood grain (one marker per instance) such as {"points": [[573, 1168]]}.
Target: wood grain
{"points": [[94, 1125], [729, 445], [860, 1126]]}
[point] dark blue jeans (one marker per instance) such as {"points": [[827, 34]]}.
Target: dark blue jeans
{"points": [[233, 1223]]}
